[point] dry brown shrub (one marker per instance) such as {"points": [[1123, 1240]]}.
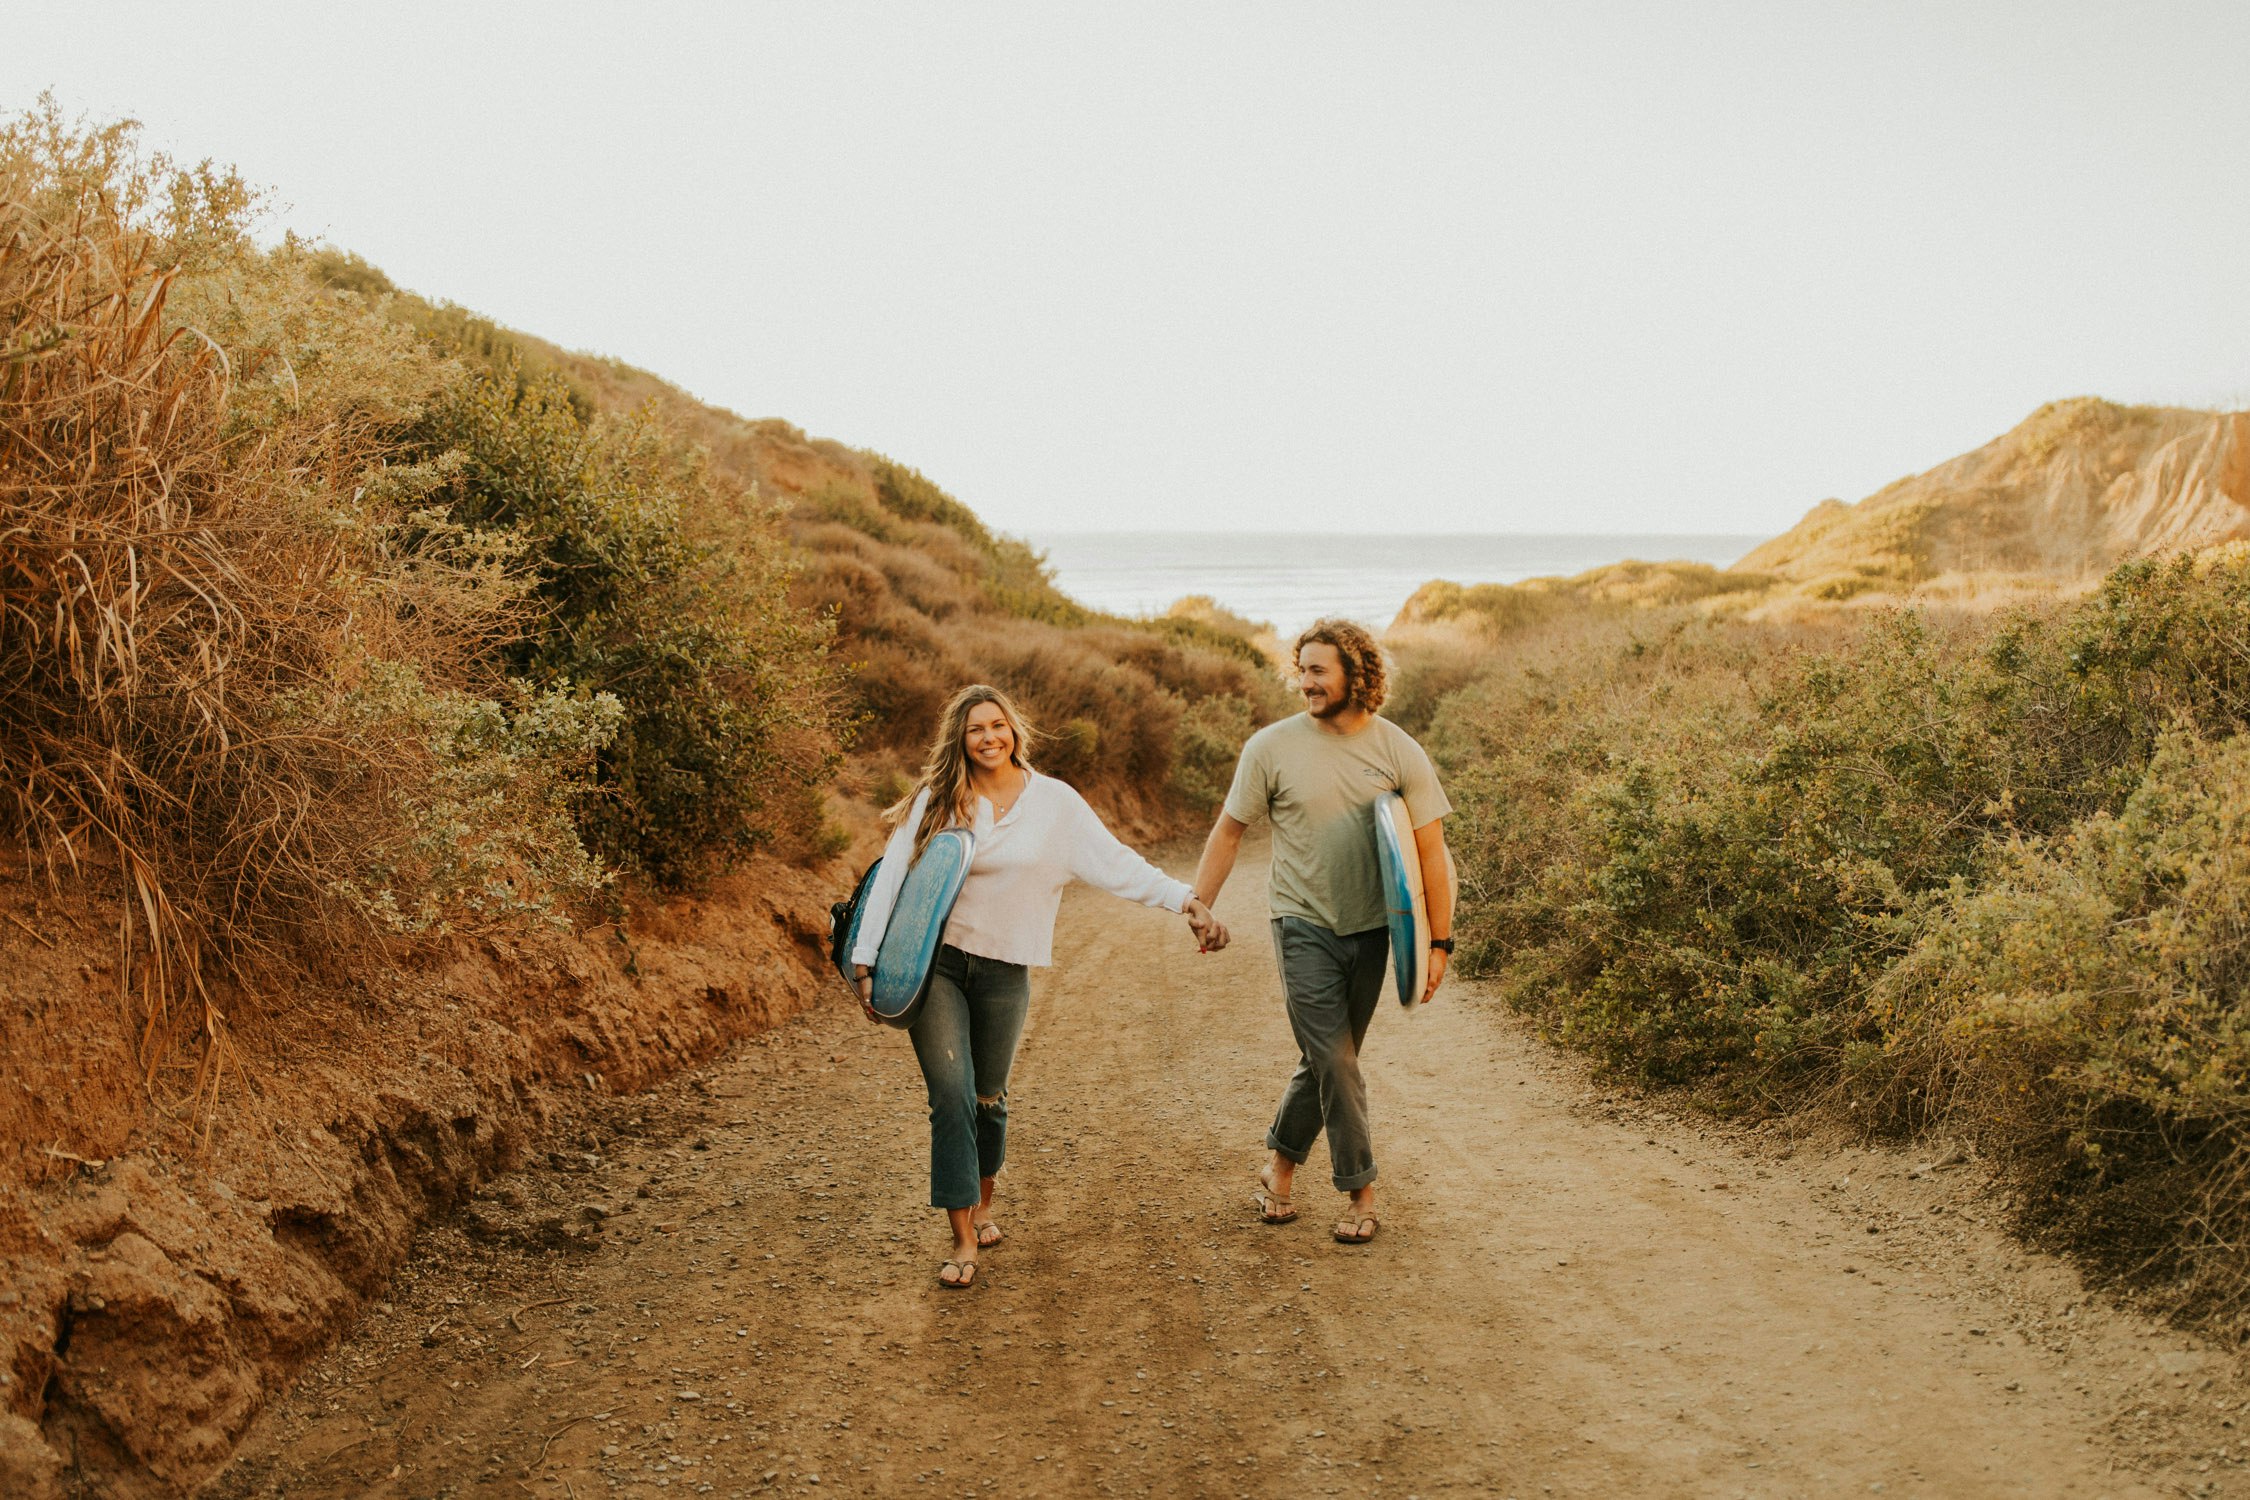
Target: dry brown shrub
{"points": [[904, 690], [1109, 722], [178, 629]]}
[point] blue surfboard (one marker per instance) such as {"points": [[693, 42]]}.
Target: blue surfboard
{"points": [[907, 955], [1406, 910]]}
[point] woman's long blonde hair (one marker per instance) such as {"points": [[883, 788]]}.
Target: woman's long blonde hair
{"points": [[946, 772]]}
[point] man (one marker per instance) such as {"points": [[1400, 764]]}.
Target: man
{"points": [[1316, 775]]}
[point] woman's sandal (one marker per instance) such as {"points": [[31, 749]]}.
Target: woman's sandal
{"points": [[964, 1271], [1357, 1230], [1273, 1207], [988, 1235]]}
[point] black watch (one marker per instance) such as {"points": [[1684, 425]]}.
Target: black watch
{"points": [[1443, 945]]}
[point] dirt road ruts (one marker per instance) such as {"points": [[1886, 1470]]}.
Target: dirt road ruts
{"points": [[727, 1288]]}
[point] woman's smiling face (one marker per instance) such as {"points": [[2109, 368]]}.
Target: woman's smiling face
{"points": [[988, 737]]}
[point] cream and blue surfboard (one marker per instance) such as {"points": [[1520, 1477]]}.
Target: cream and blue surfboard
{"points": [[907, 955], [1406, 906]]}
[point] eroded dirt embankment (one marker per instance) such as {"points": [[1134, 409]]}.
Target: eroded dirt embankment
{"points": [[156, 1288]]}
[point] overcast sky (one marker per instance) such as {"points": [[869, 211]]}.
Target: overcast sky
{"points": [[1558, 267]]}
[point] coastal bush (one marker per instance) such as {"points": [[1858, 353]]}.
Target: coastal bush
{"points": [[1982, 873], [724, 688], [2082, 1009], [1110, 721], [1206, 744], [1439, 663], [926, 598], [477, 342]]}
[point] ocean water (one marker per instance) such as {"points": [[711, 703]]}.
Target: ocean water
{"points": [[1291, 579]]}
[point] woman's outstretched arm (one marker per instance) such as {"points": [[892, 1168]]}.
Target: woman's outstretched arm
{"points": [[1104, 861]]}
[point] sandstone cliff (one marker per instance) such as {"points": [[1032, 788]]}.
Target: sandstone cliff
{"points": [[2072, 490]]}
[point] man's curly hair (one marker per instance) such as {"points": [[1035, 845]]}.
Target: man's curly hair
{"points": [[1365, 672]]}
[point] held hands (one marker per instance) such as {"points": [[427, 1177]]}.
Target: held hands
{"points": [[866, 991], [1210, 933]]}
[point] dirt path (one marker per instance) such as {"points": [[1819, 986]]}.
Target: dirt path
{"points": [[727, 1288]]}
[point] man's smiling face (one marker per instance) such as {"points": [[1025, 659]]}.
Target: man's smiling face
{"points": [[1322, 679]]}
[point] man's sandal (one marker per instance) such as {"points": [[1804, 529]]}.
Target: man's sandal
{"points": [[1273, 1207], [988, 1233], [964, 1272], [1357, 1230]]}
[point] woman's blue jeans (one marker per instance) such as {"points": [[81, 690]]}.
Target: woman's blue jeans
{"points": [[966, 1039]]}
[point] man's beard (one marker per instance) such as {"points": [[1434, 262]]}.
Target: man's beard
{"points": [[1334, 707]]}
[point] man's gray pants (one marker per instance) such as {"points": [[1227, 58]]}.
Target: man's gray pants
{"points": [[1330, 984]]}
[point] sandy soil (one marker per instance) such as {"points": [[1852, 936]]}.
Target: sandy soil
{"points": [[726, 1287]]}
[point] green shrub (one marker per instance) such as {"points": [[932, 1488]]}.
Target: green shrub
{"points": [[476, 341], [1441, 663], [1741, 881], [1206, 745], [726, 699], [2082, 1008], [488, 833], [2162, 640], [909, 493], [1989, 874]]}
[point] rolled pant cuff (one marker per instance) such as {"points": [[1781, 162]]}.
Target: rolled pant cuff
{"points": [[1274, 1144], [1355, 1182]]}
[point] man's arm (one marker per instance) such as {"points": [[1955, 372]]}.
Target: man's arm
{"points": [[1219, 851], [1438, 889]]}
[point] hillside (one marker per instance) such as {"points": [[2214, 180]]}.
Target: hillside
{"points": [[411, 734], [1143, 715], [2072, 490], [1927, 818], [2075, 488]]}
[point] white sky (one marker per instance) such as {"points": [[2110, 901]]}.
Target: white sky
{"points": [[1559, 267]]}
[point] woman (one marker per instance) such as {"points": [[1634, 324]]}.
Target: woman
{"points": [[1034, 834]]}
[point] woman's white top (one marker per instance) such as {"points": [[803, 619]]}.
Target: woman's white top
{"points": [[1008, 901]]}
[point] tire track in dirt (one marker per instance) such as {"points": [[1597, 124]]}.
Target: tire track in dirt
{"points": [[727, 1287]]}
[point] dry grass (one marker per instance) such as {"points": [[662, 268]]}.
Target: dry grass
{"points": [[170, 623]]}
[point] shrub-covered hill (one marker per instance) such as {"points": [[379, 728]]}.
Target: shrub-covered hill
{"points": [[1144, 715], [1809, 834], [372, 682], [330, 615]]}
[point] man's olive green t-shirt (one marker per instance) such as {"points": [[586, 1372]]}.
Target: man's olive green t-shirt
{"points": [[1318, 787]]}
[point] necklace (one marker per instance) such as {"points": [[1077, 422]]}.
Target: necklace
{"points": [[1000, 809]]}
